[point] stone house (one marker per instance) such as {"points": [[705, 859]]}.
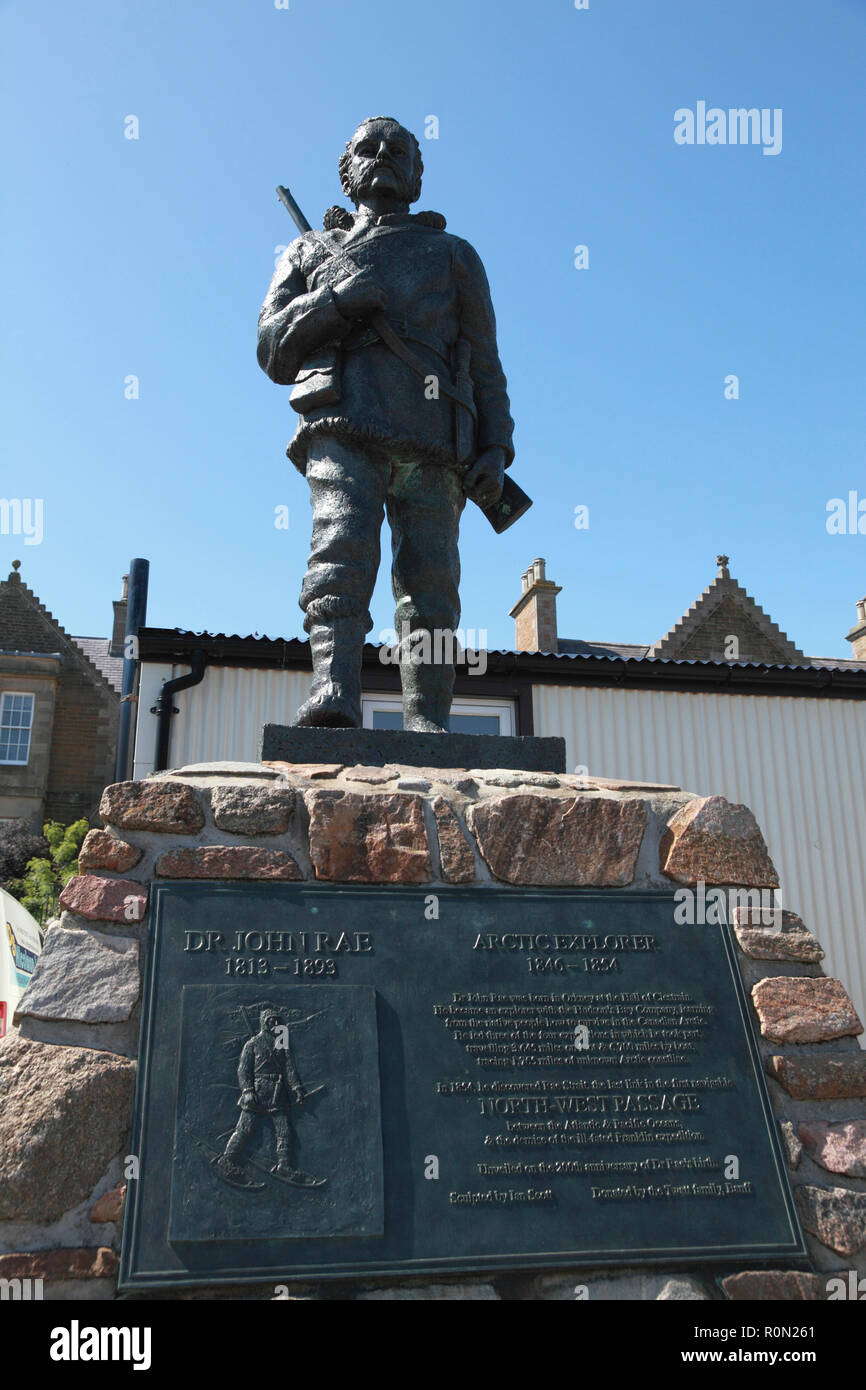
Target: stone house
{"points": [[59, 707]]}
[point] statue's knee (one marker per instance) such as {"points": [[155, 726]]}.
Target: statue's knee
{"points": [[329, 608], [430, 611]]}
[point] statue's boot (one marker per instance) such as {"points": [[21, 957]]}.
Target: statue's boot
{"points": [[283, 1168], [229, 1169], [427, 691], [335, 696]]}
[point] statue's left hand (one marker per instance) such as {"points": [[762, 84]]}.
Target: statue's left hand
{"points": [[483, 483]]}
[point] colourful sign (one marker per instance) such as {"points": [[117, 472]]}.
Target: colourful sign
{"points": [[23, 958], [17, 963]]}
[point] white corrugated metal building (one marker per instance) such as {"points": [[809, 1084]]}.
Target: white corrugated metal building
{"points": [[778, 731]]}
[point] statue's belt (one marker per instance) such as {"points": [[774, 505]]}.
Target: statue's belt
{"points": [[384, 329], [364, 336], [393, 335]]}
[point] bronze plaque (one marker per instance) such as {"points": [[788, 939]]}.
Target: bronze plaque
{"points": [[373, 1081]]}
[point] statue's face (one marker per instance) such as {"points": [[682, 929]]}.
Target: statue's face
{"points": [[272, 1023], [381, 162]]}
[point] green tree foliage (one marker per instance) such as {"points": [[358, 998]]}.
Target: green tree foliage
{"points": [[46, 875]]}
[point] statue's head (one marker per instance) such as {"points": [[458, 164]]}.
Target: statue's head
{"points": [[382, 159], [270, 1020]]}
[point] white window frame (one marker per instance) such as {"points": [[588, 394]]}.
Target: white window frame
{"points": [[9, 695], [372, 704]]}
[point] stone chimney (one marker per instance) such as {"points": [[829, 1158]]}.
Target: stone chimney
{"points": [[534, 613], [119, 631], [857, 635]]}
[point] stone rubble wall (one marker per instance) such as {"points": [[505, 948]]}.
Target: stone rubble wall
{"points": [[67, 1068]]}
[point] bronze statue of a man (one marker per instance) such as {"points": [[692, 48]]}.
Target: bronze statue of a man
{"points": [[384, 324]]}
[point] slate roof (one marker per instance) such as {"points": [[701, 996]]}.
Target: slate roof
{"points": [[96, 649], [569, 646]]}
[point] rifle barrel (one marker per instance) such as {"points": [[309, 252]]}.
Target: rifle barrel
{"points": [[292, 208]]}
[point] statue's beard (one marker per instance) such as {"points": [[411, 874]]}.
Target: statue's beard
{"points": [[401, 192]]}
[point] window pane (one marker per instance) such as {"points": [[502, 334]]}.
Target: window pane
{"points": [[16, 717], [475, 723], [460, 723], [387, 719]]}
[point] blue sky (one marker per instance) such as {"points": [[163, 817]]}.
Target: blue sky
{"points": [[152, 256]]}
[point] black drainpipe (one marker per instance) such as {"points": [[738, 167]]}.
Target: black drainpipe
{"points": [[165, 708], [136, 612]]}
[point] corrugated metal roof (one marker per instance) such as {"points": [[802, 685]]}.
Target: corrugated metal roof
{"points": [[817, 663], [570, 650]]}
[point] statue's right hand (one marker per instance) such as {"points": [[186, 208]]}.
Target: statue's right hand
{"points": [[360, 295]]}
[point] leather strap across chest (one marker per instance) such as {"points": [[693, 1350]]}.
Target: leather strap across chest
{"points": [[390, 337], [363, 335]]}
